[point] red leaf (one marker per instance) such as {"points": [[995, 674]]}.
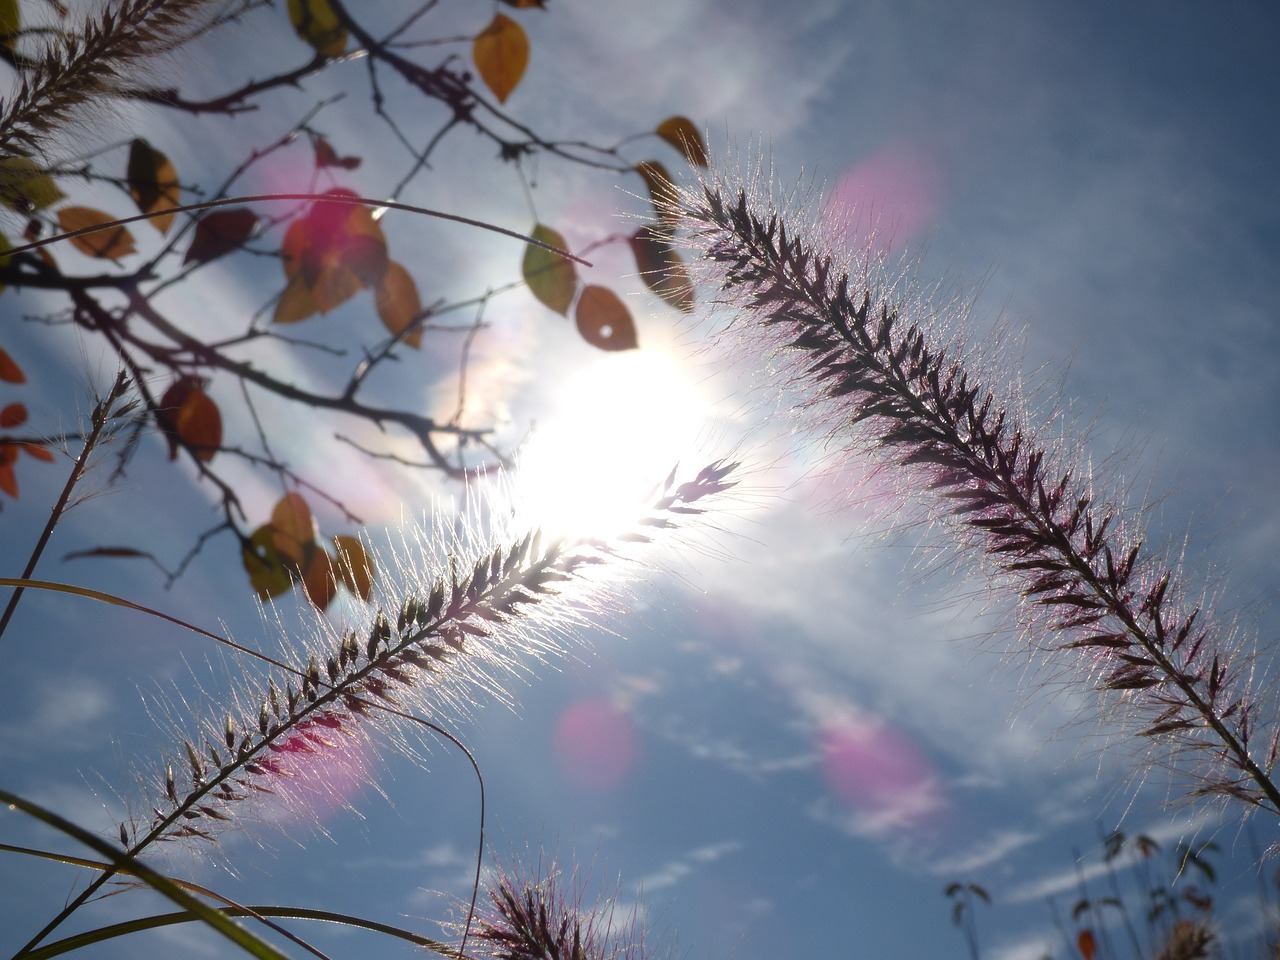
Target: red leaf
{"points": [[14, 415], [219, 233], [10, 372]]}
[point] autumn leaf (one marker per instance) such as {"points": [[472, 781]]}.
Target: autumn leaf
{"points": [[25, 186], [109, 243], [604, 320], [661, 267], [662, 190], [328, 255], [315, 22], [293, 527], [13, 415], [1087, 943], [501, 52], [355, 568], [526, 4], [399, 305], [188, 416], [8, 457], [551, 277], [10, 23], [296, 303], [267, 573], [4, 261], [684, 136], [10, 372], [326, 156], [153, 184], [219, 233]]}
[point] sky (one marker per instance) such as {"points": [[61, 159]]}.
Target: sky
{"points": [[789, 732]]}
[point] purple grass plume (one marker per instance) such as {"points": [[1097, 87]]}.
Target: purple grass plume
{"points": [[864, 355]]}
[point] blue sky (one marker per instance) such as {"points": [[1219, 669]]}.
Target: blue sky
{"points": [[801, 728]]}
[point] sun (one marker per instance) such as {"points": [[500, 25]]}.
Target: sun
{"points": [[618, 428]]}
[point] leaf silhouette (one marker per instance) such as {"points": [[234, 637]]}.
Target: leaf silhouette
{"points": [[604, 320], [219, 233], [661, 268], [684, 136], [153, 183]]}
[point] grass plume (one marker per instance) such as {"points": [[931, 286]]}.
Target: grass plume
{"points": [[896, 384]]}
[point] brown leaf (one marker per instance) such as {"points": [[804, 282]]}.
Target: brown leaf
{"points": [[604, 320], [153, 183], [661, 267], [109, 243], [332, 252], [501, 52], [10, 372], [684, 136], [188, 416], [219, 233], [355, 568], [319, 581], [551, 277], [14, 415], [526, 4], [662, 190], [295, 303], [326, 156], [1087, 943], [399, 304]]}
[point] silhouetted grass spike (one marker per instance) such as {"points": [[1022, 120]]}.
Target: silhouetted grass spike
{"points": [[843, 333]]}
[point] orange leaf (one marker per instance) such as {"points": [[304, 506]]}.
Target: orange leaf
{"points": [[661, 267], [293, 527], [14, 415], [199, 425], [109, 243], [153, 183], [295, 303], [1087, 943], [399, 305], [684, 136], [355, 568], [219, 233], [318, 579], [501, 52], [38, 451], [328, 256], [662, 190], [604, 320], [10, 372], [551, 277]]}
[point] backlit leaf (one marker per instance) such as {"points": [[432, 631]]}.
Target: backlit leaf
{"points": [[399, 304], [330, 254], [662, 190], [604, 320], [26, 186], [188, 416], [1087, 943], [153, 183], [316, 23], [10, 23], [267, 573], [319, 581], [13, 415], [551, 277], [219, 233], [109, 243], [295, 303], [501, 52], [661, 267], [355, 568], [8, 479], [10, 372], [293, 527], [684, 136], [38, 451]]}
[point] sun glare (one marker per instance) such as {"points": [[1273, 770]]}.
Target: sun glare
{"points": [[617, 429]]}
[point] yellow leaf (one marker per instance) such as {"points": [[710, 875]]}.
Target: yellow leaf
{"points": [[604, 320], [662, 190], [355, 568], [109, 243], [684, 136], [267, 573], [26, 186], [316, 23], [153, 183], [293, 528], [10, 22], [551, 277], [399, 304], [501, 52]]}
